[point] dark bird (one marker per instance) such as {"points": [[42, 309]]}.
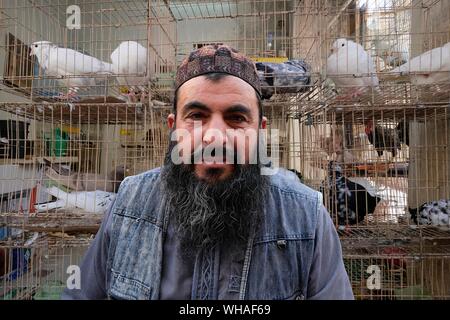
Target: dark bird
{"points": [[436, 213], [383, 139], [350, 200], [292, 76]]}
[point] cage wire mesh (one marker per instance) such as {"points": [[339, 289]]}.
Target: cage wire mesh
{"points": [[359, 91]]}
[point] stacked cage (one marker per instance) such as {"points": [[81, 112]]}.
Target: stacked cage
{"points": [[85, 89], [373, 136], [84, 92]]}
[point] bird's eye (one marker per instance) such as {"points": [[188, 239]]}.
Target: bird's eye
{"points": [[343, 45], [35, 45]]}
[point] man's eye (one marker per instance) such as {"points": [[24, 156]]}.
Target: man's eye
{"points": [[196, 116], [237, 118]]}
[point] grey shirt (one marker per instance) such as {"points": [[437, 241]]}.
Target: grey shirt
{"points": [[177, 274]]}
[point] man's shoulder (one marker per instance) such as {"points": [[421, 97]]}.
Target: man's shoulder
{"points": [[133, 188], [287, 182], [138, 191], [147, 174], [144, 177]]}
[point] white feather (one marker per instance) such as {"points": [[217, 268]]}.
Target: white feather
{"points": [[129, 62], [68, 63], [51, 205], [443, 218], [350, 66], [433, 66], [434, 216], [92, 201]]}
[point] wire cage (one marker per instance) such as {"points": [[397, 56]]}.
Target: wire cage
{"points": [[398, 276], [397, 267], [391, 159], [86, 87], [39, 271], [92, 51], [372, 135]]}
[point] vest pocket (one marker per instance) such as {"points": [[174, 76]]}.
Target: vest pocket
{"points": [[122, 287], [279, 269]]}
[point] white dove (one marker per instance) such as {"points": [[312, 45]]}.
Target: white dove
{"points": [[92, 201], [432, 66], [70, 64], [129, 63], [351, 68], [51, 205]]}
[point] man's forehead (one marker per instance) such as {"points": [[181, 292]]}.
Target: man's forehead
{"points": [[202, 82], [226, 88]]}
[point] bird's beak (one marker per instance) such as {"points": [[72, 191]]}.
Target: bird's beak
{"points": [[332, 50]]}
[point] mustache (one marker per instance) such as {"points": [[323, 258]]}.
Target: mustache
{"points": [[197, 155], [217, 154], [228, 155]]}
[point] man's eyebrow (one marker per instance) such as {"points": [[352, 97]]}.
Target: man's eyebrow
{"points": [[195, 105], [239, 108]]}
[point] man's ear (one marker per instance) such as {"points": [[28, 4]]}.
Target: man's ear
{"points": [[263, 123], [171, 120]]}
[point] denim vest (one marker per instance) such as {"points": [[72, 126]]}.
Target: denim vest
{"points": [[277, 260]]}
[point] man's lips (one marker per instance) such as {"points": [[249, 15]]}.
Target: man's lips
{"points": [[214, 158], [217, 160], [213, 165]]}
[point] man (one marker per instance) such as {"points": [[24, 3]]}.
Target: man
{"points": [[203, 228]]}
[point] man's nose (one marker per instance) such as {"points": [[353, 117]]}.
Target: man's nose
{"points": [[215, 131]]}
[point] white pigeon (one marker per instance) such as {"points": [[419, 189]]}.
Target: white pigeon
{"points": [[432, 66], [69, 64], [351, 68], [51, 205], [92, 201], [129, 63]]}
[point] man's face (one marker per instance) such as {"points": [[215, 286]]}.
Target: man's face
{"points": [[226, 110]]}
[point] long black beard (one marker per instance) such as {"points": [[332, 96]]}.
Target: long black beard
{"points": [[207, 214]]}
